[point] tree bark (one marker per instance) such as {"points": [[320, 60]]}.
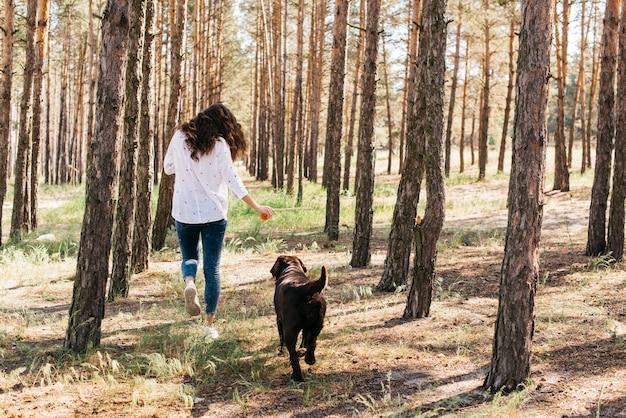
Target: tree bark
{"points": [[455, 76], [510, 363], [364, 215], [295, 126], [278, 100], [142, 233], [509, 98], [561, 171], [596, 232], [41, 43], [397, 264], [6, 85], [483, 135], [334, 123], [593, 89], [429, 108], [464, 110], [162, 218], [580, 99], [409, 82], [615, 238], [355, 94], [88, 299], [20, 218], [316, 70], [127, 191], [390, 145]]}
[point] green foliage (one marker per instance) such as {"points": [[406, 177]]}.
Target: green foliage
{"points": [[351, 293], [384, 404], [444, 290], [455, 237], [603, 262]]}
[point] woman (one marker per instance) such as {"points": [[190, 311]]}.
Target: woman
{"points": [[201, 154]]}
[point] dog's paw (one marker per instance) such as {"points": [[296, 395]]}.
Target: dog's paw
{"points": [[301, 352], [310, 360]]}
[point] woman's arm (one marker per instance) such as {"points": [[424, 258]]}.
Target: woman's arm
{"points": [[266, 212]]}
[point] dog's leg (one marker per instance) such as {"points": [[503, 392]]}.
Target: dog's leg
{"points": [[279, 324], [311, 343], [290, 341], [303, 342]]}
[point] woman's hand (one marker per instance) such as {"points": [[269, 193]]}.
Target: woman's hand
{"points": [[265, 212]]}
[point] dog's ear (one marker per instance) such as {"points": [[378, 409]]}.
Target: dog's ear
{"points": [[277, 266], [301, 264]]}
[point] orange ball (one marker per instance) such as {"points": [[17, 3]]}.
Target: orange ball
{"points": [[264, 216]]}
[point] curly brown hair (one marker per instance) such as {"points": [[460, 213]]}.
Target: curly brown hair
{"points": [[216, 121]]}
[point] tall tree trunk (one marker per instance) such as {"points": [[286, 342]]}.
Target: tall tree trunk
{"points": [[127, 192], [41, 44], [509, 98], [561, 172], [364, 215], [88, 299], [483, 135], [455, 76], [278, 121], [334, 123], [615, 238], [78, 128], [159, 94], [296, 107], [264, 131], [254, 111], [464, 109], [428, 115], [409, 82], [20, 222], [355, 94], [47, 158], [397, 265], [299, 131], [510, 362], [61, 158], [390, 145], [316, 69], [573, 116], [593, 89], [6, 85], [142, 233], [473, 133], [166, 189], [198, 46], [583, 102], [93, 76], [596, 232]]}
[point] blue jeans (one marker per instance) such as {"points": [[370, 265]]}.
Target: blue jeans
{"points": [[212, 235]]}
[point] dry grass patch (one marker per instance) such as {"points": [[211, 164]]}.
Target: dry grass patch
{"points": [[153, 360]]}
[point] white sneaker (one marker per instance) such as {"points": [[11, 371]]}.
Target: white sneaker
{"points": [[210, 332], [192, 304]]}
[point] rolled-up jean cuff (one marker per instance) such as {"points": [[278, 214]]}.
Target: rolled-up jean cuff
{"points": [[189, 268]]}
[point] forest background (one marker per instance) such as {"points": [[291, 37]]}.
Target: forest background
{"points": [[256, 72]]}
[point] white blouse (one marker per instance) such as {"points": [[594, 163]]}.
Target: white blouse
{"points": [[201, 187]]}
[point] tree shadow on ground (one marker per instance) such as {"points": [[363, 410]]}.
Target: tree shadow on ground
{"points": [[356, 392]]}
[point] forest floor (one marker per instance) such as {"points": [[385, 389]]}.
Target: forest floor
{"points": [[371, 362]]}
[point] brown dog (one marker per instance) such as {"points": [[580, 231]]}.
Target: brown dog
{"points": [[299, 306]]}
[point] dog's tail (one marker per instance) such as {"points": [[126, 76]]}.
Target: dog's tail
{"points": [[317, 286]]}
